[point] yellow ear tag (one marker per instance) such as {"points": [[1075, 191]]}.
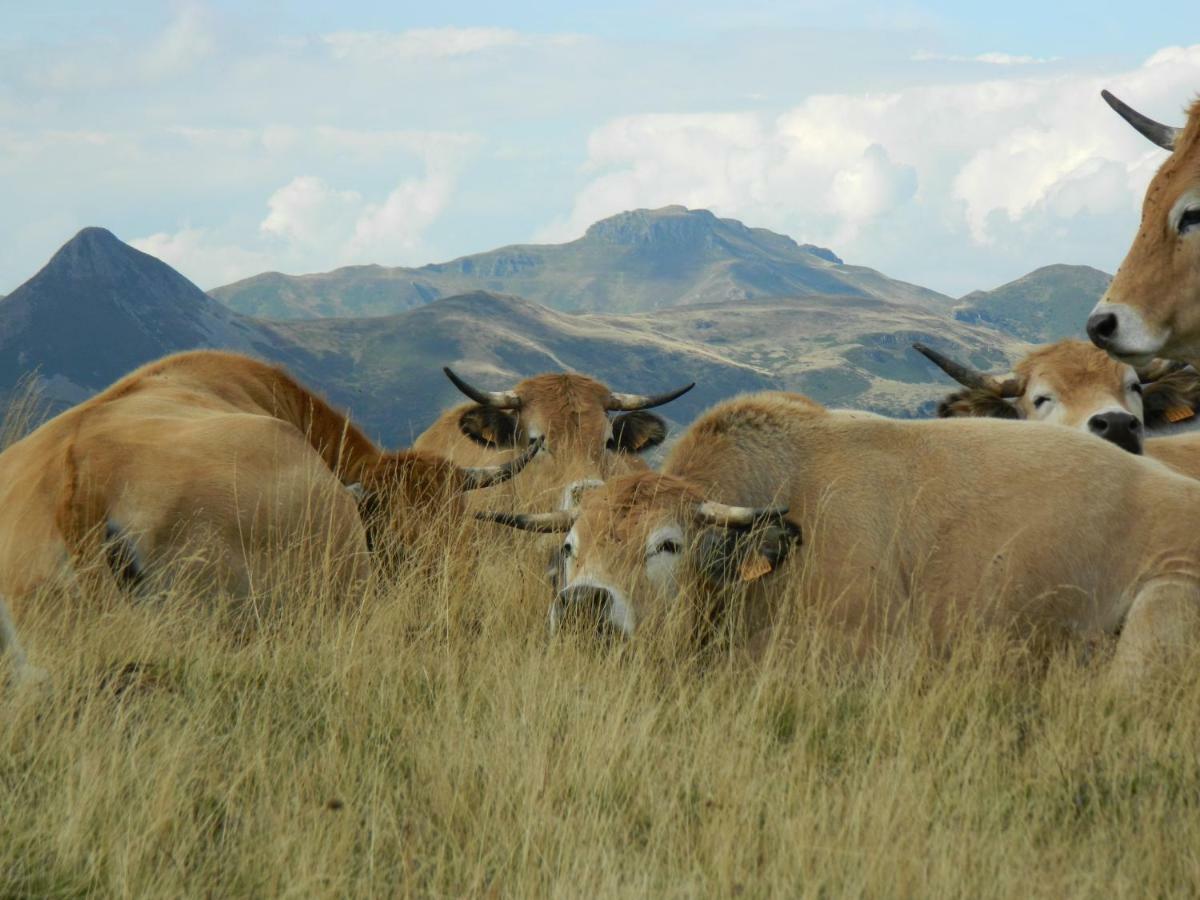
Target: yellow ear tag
{"points": [[1179, 413], [755, 567]]}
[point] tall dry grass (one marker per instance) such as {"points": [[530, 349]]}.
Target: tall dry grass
{"points": [[428, 739]]}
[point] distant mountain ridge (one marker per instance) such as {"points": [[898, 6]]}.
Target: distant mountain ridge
{"points": [[100, 308], [635, 261]]}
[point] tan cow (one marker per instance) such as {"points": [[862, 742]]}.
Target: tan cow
{"points": [[1075, 384], [1152, 307], [569, 412], [1040, 532], [203, 465]]}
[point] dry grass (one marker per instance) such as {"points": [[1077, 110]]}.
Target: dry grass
{"points": [[428, 739]]}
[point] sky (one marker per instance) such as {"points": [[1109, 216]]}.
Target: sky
{"points": [[954, 145]]}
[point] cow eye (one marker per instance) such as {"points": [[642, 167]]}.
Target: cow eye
{"points": [[1136, 387], [668, 546], [1040, 401], [1189, 220]]}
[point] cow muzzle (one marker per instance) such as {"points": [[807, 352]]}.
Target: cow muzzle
{"points": [[1120, 428], [590, 607], [1122, 333]]}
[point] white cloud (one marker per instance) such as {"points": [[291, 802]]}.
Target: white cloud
{"points": [[893, 173], [202, 256], [311, 224], [416, 43], [187, 40], [991, 59]]}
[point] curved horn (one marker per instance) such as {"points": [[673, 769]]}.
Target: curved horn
{"points": [[713, 513], [632, 402], [1156, 132], [540, 523], [1004, 386], [1158, 368], [494, 399], [486, 476]]}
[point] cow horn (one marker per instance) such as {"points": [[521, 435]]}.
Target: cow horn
{"points": [[486, 476], [494, 399], [1158, 368], [1163, 135], [631, 402], [541, 523], [713, 513], [1004, 386]]}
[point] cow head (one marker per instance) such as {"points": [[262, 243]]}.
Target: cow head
{"points": [[1074, 384], [638, 544], [569, 412], [405, 493], [1152, 307]]}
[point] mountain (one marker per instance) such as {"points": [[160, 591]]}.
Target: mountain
{"points": [[1046, 305], [387, 370], [100, 308], [633, 262], [847, 352]]}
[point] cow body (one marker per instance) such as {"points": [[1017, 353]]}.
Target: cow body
{"points": [[206, 466], [1041, 532]]}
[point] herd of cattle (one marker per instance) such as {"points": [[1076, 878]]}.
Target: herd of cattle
{"points": [[198, 466]]}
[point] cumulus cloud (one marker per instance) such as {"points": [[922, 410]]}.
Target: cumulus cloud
{"points": [[311, 224], [200, 253], [866, 172]]}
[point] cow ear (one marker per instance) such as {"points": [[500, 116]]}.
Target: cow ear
{"points": [[975, 402], [490, 427], [1171, 399], [635, 432], [743, 556]]}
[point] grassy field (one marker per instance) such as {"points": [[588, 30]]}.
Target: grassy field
{"points": [[429, 739]]}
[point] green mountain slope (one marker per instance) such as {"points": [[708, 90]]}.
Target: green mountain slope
{"points": [[632, 262], [1046, 305]]}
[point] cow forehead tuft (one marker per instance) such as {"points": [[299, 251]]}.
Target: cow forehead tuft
{"points": [[1071, 363]]}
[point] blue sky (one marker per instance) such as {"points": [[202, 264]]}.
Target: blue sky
{"points": [[955, 146]]}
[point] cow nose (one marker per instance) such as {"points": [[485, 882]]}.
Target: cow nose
{"points": [[584, 605], [1121, 428], [1102, 329]]}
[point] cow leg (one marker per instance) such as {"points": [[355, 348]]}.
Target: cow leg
{"points": [[11, 648], [1162, 623]]}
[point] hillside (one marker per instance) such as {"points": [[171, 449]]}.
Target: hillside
{"points": [[1046, 305], [100, 308], [633, 262]]}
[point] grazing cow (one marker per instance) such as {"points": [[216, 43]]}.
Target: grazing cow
{"points": [[1073, 383], [206, 463], [1152, 307], [569, 412], [1040, 532]]}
